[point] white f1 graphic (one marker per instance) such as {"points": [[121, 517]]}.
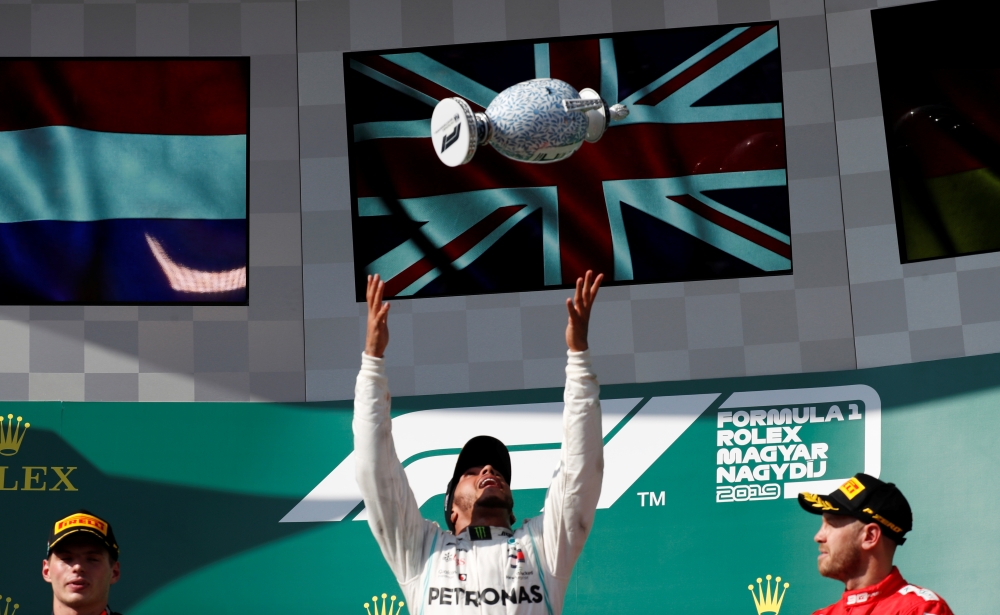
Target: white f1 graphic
{"points": [[425, 439], [632, 450]]}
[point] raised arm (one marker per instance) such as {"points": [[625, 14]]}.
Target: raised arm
{"points": [[393, 514], [575, 489], [579, 308], [377, 337]]}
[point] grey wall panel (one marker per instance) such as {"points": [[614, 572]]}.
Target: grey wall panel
{"points": [[849, 303], [736, 11], [15, 30], [626, 15], [682, 13], [162, 29], [109, 29], [785, 9], [586, 16], [57, 29]]}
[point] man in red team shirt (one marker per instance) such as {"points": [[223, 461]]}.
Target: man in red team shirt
{"points": [[863, 522]]}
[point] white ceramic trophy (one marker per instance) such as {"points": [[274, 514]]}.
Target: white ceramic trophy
{"points": [[536, 121]]}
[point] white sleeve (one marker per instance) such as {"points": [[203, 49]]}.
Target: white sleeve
{"points": [[393, 514], [572, 498]]}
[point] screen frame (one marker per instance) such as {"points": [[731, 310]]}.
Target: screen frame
{"points": [[896, 31], [360, 280], [245, 65]]}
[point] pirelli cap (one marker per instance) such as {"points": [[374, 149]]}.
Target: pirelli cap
{"points": [[479, 451], [868, 499], [84, 522]]}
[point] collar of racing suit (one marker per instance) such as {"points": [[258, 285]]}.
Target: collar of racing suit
{"points": [[492, 532], [873, 593]]}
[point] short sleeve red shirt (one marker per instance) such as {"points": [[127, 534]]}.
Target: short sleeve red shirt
{"points": [[890, 596]]}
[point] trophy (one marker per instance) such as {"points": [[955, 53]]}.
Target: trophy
{"points": [[537, 121]]}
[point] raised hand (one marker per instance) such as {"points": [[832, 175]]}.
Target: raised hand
{"points": [[579, 310], [377, 337]]}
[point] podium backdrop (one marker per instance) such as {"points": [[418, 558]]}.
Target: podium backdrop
{"points": [[252, 508]]}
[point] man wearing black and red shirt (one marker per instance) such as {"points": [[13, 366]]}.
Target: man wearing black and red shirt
{"points": [[864, 520]]}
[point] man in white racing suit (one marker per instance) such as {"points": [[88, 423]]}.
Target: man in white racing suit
{"points": [[482, 566]]}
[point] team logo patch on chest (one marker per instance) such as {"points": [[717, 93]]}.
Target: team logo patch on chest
{"points": [[517, 564], [453, 561]]}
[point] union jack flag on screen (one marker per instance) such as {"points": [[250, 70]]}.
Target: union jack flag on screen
{"points": [[690, 186]]}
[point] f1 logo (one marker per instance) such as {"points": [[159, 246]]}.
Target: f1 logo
{"points": [[641, 437], [643, 429], [449, 139]]}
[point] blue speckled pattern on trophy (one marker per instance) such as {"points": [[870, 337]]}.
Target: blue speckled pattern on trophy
{"points": [[530, 123]]}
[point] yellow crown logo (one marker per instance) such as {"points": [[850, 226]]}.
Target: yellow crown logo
{"points": [[10, 440], [6, 610], [768, 601], [374, 610]]}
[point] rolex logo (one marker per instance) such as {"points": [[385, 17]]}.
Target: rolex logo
{"points": [[11, 437], [768, 601], [36, 478], [6, 605], [374, 606]]}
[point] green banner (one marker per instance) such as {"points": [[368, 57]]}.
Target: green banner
{"points": [[252, 508]]}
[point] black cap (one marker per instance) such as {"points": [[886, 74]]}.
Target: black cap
{"points": [[868, 499], [479, 451], [84, 522]]}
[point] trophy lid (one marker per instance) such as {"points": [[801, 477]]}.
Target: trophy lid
{"points": [[453, 132]]}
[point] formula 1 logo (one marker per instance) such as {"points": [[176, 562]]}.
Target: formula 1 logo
{"points": [[771, 444], [449, 139], [637, 431], [635, 445]]}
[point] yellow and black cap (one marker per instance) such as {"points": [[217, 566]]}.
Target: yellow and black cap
{"points": [[84, 523], [479, 451], [866, 498]]}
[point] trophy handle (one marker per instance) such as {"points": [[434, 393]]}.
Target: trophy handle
{"points": [[598, 113], [582, 104], [455, 131], [484, 128], [618, 112]]}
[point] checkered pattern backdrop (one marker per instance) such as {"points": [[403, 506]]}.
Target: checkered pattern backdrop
{"points": [[640, 333], [902, 313], [177, 353], [301, 336]]}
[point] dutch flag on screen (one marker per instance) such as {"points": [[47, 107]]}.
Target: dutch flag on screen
{"points": [[123, 181]]}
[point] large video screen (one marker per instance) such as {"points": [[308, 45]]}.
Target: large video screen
{"points": [[690, 185], [939, 75], [123, 181]]}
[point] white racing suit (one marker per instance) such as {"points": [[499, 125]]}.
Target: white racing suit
{"points": [[483, 570]]}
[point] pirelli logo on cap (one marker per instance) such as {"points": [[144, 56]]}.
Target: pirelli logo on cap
{"points": [[81, 520], [852, 488]]}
